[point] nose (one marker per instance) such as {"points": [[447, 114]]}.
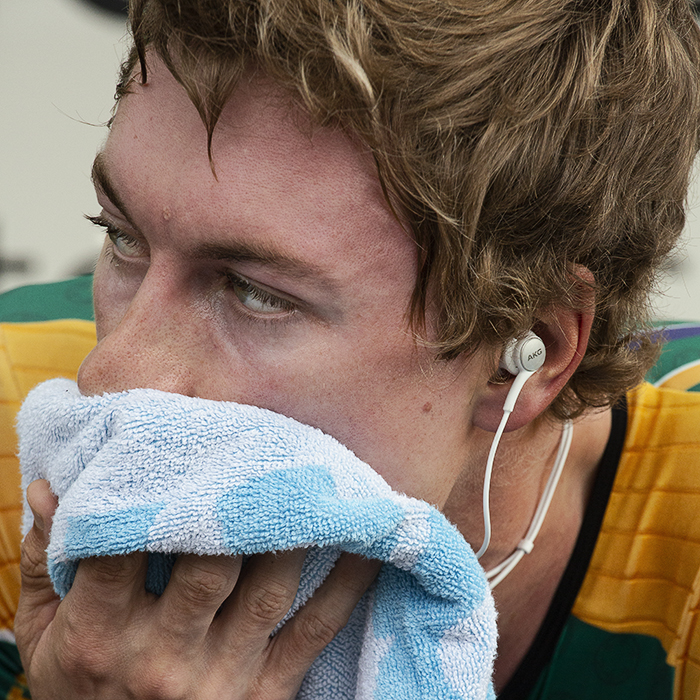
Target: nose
{"points": [[158, 342]]}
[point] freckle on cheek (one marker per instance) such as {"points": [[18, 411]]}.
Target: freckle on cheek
{"points": [[428, 407]]}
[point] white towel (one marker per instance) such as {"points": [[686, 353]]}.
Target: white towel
{"points": [[149, 471]]}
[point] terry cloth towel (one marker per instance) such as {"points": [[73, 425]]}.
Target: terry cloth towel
{"points": [[149, 471]]}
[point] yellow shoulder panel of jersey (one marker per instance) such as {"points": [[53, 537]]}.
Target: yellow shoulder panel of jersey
{"points": [[645, 573], [29, 354]]}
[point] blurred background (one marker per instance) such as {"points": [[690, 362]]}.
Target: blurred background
{"points": [[59, 61]]}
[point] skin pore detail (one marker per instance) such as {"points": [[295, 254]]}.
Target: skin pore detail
{"points": [[284, 282], [299, 307]]}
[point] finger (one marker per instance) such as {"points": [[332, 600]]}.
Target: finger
{"points": [[263, 596], [38, 600], [308, 633], [43, 503], [93, 629], [33, 569], [106, 587], [198, 587]]}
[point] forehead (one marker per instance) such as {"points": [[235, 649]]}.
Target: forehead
{"points": [[277, 175]]}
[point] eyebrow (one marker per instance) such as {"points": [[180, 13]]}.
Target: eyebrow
{"points": [[239, 251], [250, 252], [101, 180]]}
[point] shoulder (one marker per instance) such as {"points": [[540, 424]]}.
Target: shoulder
{"points": [[644, 577], [662, 439]]}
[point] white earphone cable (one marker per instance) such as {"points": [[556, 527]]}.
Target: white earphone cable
{"points": [[523, 358], [508, 406], [498, 573], [486, 507]]}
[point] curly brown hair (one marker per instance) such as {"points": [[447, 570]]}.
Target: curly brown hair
{"points": [[520, 138]]}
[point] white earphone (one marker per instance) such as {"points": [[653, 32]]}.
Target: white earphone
{"points": [[525, 355], [521, 357]]}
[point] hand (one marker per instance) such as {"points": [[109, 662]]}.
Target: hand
{"points": [[207, 636]]}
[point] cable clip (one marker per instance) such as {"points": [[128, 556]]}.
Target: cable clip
{"points": [[525, 546]]}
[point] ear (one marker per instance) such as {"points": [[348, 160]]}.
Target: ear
{"points": [[565, 333]]}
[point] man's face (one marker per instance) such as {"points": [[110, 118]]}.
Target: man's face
{"points": [[283, 282]]}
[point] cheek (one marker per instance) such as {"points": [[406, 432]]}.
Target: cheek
{"points": [[402, 412], [372, 402]]}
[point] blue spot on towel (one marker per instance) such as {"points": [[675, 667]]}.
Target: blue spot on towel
{"points": [[112, 533], [315, 515]]}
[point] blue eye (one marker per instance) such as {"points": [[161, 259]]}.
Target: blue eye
{"points": [[258, 300], [128, 246]]}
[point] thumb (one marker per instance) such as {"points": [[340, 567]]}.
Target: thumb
{"points": [[38, 600], [33, 566]]}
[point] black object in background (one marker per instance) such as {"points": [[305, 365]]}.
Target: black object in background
{"points": [[117, 7]]}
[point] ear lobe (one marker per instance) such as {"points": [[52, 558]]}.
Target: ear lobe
{"points": [[565, 333]]}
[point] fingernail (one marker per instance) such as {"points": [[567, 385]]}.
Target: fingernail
{"points": [[38, 520]]}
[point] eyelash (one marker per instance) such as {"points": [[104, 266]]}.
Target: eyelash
{"points": [[284, 306], [116, 235], [239, 285]]}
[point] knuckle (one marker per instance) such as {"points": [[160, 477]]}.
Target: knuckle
{"points": [[351, 585], [81, 656], [315, 631], [268, 602], [354, 574], [112, 571], [199, 585], [32, 560], [160, 680]]}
